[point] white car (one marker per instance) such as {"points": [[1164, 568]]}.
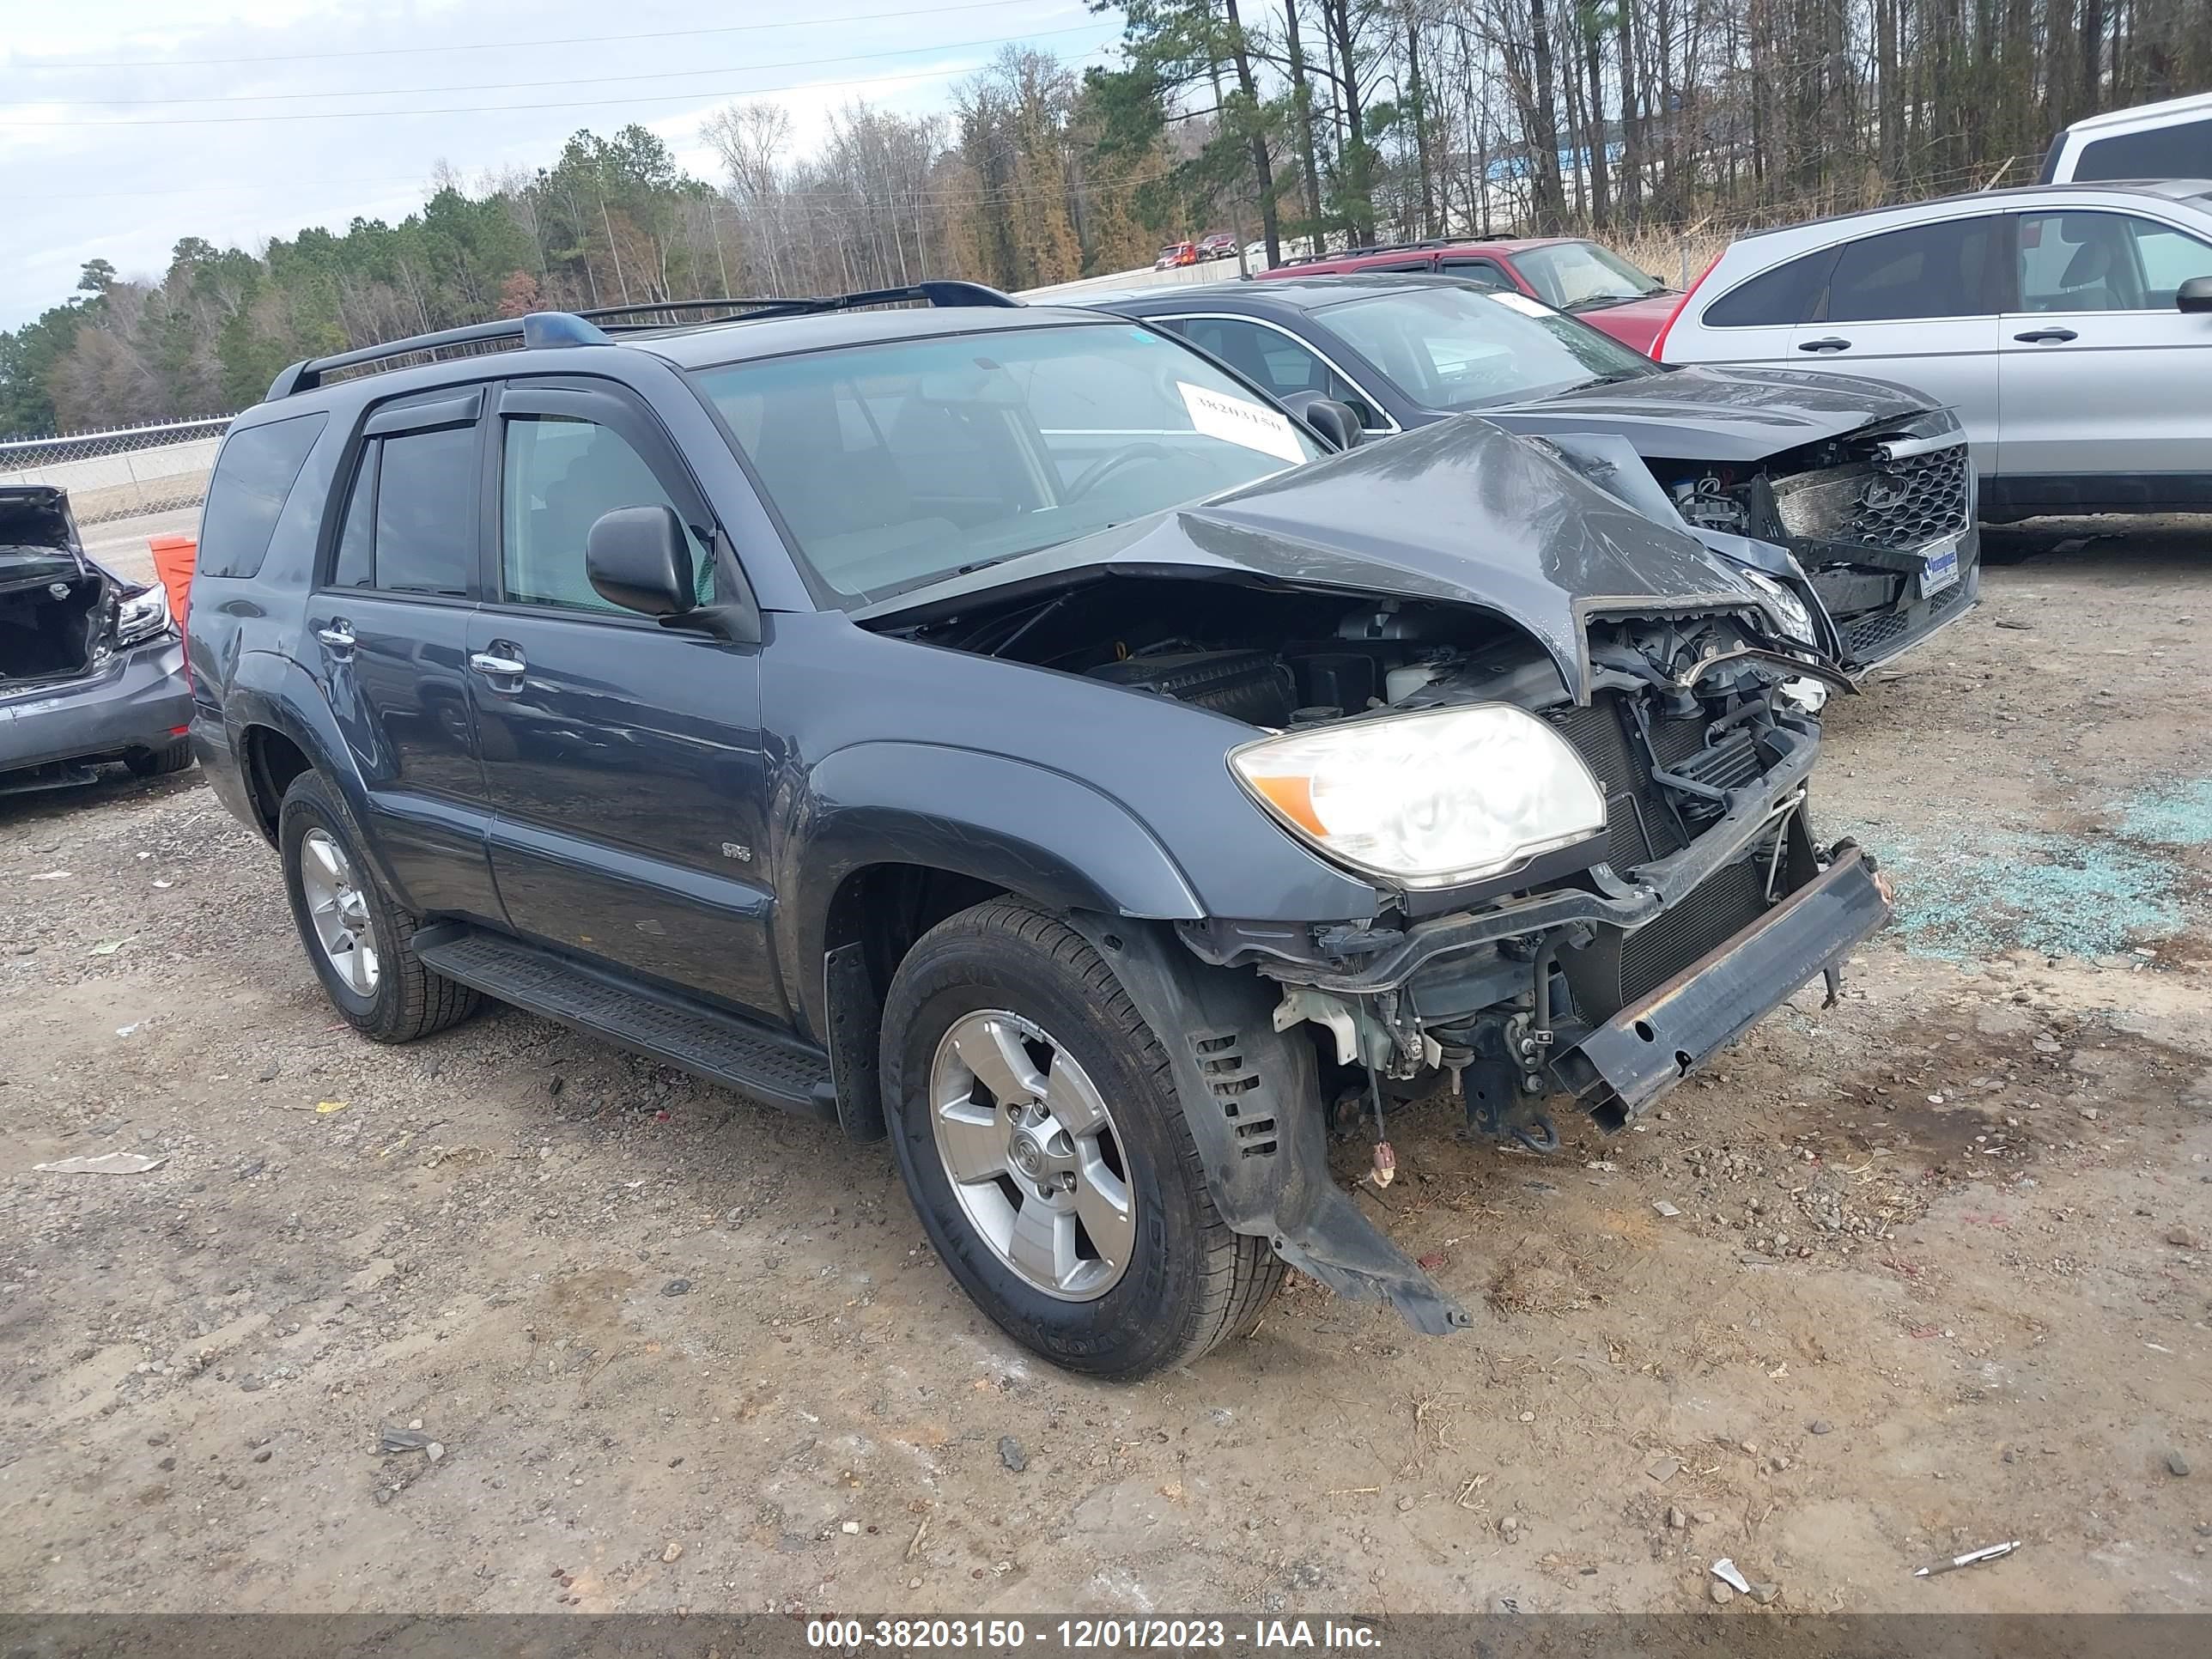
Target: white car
{"points": [[2070, 325]]}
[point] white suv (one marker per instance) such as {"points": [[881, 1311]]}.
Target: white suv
{"points": [[2172, 140], [2070, 325]]}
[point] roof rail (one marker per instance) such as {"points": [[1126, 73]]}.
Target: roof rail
{"points": [[747, 309], [536, 331]]}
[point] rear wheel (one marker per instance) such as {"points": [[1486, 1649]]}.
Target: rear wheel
{"points": [[1036, 1121], [172, 757], [357, 939]]}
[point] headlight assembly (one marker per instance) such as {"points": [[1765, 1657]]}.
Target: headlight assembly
{"points": [[1786, 608], [1429, 799], [142, 618]]}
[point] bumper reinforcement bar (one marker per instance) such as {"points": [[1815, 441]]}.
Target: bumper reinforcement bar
{"points": [[1646, 1048]]}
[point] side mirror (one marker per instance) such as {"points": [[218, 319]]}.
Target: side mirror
{"points": [[639, 558], [1338, 426], [2195, 295]]}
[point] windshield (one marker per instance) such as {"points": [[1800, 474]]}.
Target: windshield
{"points": [[1454, 346], [897, 464], [1570, 274]]}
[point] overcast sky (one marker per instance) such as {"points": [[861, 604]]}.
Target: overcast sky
{"points": [[120, 131]]}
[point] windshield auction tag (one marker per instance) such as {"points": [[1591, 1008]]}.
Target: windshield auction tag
{"points": [[1220, 415], [1521, 302]]}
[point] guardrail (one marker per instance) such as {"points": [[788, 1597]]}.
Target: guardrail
{"points": [[123, 473]]}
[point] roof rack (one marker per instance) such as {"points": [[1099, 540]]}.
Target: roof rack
{"points": [[680, 313], [537, 331], [598, 324]]}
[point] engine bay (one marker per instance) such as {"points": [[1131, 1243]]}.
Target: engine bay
{"points": [[1279, 658]]}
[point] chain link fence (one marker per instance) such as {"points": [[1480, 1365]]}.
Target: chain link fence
{"points": [[123, 473]]}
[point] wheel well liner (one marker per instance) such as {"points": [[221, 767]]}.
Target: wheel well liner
{"points": [[272, 760]]}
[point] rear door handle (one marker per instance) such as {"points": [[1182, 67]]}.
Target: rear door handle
{"points": [[502, 662], [337, 635], [2046, 336], [1831, 344]]}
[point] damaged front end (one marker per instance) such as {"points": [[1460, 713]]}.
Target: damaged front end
{"points": [[1603, 973], [91, 666], [1883, 520]]}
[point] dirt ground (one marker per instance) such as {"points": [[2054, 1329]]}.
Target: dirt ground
{"points": [[1938, 1279]]}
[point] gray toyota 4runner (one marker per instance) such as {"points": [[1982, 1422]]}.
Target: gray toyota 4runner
{"points": [[1005, 729]]}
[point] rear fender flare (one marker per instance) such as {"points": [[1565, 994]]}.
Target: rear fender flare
{"points": [[277, 692]]}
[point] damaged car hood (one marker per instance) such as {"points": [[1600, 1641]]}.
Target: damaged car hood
{"points": [[1737, 413], [1460, 511]]}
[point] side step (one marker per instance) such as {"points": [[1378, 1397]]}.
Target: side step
{"points": [[706, 1041]]}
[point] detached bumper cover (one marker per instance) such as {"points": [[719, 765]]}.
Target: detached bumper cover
{"points": [[137, 699], [1634, 1057]]}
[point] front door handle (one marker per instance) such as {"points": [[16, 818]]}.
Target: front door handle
{"points": [[2046, 336], [502, 662], [337, 635], [1830, 343]]}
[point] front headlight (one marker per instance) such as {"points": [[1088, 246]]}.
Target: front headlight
{"points": [[1786, 608], [142, 618], [1431, 800]]}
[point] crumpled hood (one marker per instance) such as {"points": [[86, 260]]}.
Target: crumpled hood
{"points": [[1737, 413], [1460, 511]]}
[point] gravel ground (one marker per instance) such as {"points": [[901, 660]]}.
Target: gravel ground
{"points": [[1938, 1276]]}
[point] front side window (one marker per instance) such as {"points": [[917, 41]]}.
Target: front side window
{"points": [[2105, 262], [899, 464], [1575, 275], [1455, 348], [1923, 271], [1477, 270], [411, 521], [1286, 366], [558, 475]]}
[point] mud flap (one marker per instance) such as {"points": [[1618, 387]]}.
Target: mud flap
{"points": [[1252, 1099]]}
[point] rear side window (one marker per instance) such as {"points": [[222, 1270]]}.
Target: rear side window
{"points": [[2183, 150], [1776, 298], [1922, 271], [253, 476], [411, 521]]}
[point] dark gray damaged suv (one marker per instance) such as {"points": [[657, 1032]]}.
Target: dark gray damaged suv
{"points": [[1006, 729]]}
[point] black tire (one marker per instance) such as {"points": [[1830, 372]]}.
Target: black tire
{"points": [[1190, 1281], [173, 756], [407, 1000]]}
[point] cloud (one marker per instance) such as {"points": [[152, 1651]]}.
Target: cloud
{"points": [[178, 161]]}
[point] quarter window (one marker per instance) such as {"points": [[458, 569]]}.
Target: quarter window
{"points": [[1923, 270], [560, 475], [253, 475], [411, 521], [2105, 262], [2182, 150]]}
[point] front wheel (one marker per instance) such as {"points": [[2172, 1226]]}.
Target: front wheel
{"points": [[1036, 1121]]}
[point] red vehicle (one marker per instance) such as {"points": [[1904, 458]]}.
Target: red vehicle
{"points": [[1219, 245], [1176, 254], [1565, 272]]}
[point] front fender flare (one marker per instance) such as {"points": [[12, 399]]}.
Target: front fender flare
{"points": [[1251, 1095], [1027, 829]]}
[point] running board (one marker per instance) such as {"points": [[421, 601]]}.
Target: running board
{"points": [[722, 1048]]}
